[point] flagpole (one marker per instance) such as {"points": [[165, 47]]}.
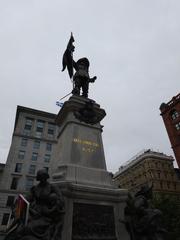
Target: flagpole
{"points": [[65, 96]]}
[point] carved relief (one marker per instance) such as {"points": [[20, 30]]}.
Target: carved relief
{"points": [[93, 222]]}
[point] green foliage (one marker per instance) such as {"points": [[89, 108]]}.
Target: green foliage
{"points": [[170, 207]]}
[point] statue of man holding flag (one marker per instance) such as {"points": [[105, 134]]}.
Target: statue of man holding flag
{"points": [[81, 78]]}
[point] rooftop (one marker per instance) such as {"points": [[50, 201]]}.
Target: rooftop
{"points": [[33, 111], [166, 106], [140, 156]]}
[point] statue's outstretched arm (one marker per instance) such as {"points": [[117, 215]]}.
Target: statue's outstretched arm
{"points": [[92, 79]]}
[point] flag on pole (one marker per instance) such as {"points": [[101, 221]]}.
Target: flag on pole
{"points": [[68, 57], [60, 104], [22, 209], [19, 214]]}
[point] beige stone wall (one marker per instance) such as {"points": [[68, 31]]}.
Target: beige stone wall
{"points": [[154, 169]]}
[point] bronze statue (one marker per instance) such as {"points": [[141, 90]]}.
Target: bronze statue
{"points": [[88, 114], [45, 214], [81, 78], [142, 221]]}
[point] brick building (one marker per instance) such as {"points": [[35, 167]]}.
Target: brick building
{"points": [[170, 113]]}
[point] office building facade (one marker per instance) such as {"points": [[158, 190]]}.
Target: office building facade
{"points": [[149, 167], [32, 148]]}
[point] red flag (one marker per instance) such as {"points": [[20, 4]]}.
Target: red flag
{"points": [[22, 209]]}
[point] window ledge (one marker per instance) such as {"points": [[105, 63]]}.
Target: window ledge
{"points": [[16, 174]]}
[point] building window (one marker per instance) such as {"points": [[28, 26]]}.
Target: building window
{"points": [[39, 128], [28, 124], [47, 158], [51, 129], [32, 169], [172, 176], [18, 167], [29, 183], [24, 142], [40, 125], [10, 201], [34, 156], [156, 164], [21, 154], [38, 134], [5, 219], [178, 126], [48, 146], [151, 175], [174, 114], [14, 183], [26, 132], [36, 144]]}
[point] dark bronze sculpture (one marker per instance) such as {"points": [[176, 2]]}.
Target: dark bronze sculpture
{"points": [[46, 213], [81, 78], [87, 114], [142, 221]]}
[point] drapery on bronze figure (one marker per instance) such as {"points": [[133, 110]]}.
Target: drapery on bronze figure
{"points": [[81, 78], [88, 114], [46, 212], [141, 220]]}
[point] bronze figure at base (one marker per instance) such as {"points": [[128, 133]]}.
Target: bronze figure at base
{"points": [[142, 221], [46, 213]]}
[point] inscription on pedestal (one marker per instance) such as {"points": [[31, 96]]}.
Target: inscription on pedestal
{"points": [[87, 146], [93, 222]]}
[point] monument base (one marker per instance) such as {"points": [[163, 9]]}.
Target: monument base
{"points": [[83, 175], [93, 213], [94, 207]]}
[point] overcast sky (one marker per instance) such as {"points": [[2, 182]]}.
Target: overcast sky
{"points": [[133, 47]]}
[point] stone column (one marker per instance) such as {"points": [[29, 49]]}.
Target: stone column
{"points": [[80, 153]]}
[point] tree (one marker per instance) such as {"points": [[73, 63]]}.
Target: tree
{"points": [[170, 207]]}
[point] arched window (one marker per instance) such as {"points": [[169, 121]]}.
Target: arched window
{"points": [[174, 114]]}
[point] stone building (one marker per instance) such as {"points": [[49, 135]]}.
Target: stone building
{"points": [[170, 113], [32, 148], [177, 171], [149, 167], [2, 165]]}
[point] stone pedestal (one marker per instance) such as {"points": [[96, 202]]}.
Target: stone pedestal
{"points": [[94, 206]]}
